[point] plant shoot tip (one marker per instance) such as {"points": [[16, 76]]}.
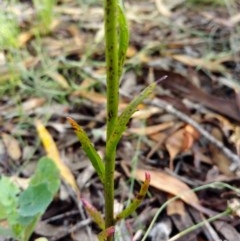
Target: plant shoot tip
{"points": [[86, 203], [69, 118], [147, 176]]}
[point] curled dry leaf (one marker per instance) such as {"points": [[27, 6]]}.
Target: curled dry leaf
{"points": [[169, 184], [174, 144], [53, 153], [190, 135], [180, 141]]}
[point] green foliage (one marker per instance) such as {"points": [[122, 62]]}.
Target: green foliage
{"points": [[206, 2], [116, 39], [89, 149], [8, 31], [23, 209], [137, 200], [126, 115], [94, 214], [123, 38], [44, 13]]}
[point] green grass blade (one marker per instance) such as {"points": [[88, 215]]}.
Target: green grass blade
{"points": [[123, 38], [89, 149]]}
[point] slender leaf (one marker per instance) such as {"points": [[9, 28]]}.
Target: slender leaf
{"points": [[94, 214], [89, 149], [126, 115], [123, 37], [137, 200]]}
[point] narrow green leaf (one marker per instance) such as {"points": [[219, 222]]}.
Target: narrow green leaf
{"points": [[89, 149], [126, 115], [94, 214], [136, 201], [123, 37]]}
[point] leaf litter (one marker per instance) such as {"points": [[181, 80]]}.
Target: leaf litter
{"points": [[62, 74]]}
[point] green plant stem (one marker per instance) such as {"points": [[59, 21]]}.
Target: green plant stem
{"points": [[209, 185], [198, 225], [111, 42]]}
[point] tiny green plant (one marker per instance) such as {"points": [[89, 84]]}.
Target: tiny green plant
{"points": [[9, 30], [116, 44], [21, 210], [44, 9]]}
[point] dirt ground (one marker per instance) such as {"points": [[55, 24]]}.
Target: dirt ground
{"points": [[187, 134]]}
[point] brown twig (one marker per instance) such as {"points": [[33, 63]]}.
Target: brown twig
{"points": [[170, 109]]}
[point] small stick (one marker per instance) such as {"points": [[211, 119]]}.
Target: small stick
{"points": [[170, 109]]}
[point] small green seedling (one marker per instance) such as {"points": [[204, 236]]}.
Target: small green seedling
{"points": [[116, 44], [21, 210]]}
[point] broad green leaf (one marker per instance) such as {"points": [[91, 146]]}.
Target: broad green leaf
{"points": [[29, 226], [123, 37], [6, 232], [88, 148], [34, 200], [42, 188], [8, 199], [48, 173], [8, 191]]}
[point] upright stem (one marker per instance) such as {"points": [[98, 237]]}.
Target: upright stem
{"points": [[111, 41]]}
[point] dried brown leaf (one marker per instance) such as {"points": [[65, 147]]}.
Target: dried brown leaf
{"points": [[149, 130], [169, 184], [214, 66], [32, 103], [174, 144], [12, 146]]}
